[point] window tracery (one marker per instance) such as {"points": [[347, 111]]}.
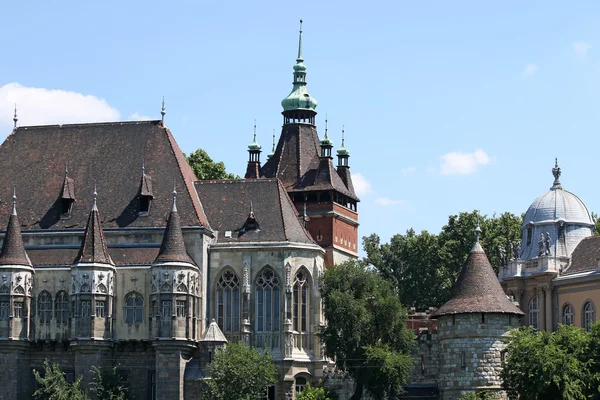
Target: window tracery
{"points": [[267, 301], [228, 302], [301, 299], [45, 307]]}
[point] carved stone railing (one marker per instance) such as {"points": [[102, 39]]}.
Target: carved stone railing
{"points": [[302, 341], [267, 340]]}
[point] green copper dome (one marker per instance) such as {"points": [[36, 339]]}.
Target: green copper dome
{"points": [[299, 98], [254, 146], [326, 141]]}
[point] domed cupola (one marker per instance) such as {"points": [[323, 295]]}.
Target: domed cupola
{"points": [[299, 106], [555, 222]]}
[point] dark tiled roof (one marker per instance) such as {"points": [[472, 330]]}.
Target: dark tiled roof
{"points": [[477, 289], [110, 154], [13, 251], [172, 248], [585, 256], [121, 256], [227, 205], [344, 173], [93, 246], [296, 162]]}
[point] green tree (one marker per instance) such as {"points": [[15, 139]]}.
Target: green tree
{"points": [[366, 330], [206, 169], [557, 365], [422, 267], [53, 385], [313, 393], [239, 372], [596, 223], [109, 385]]}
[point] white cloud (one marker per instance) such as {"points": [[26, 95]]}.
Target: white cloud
{"points": [[40, 106], [530, 69], [408, 171], [361, 185], [458, 163], [138, 117], [386, 202], [581, 48]]}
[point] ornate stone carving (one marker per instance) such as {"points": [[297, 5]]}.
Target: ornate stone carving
{"points": [[246, 278]]}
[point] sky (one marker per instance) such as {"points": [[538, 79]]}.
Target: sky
{"points": [[447, 106]]}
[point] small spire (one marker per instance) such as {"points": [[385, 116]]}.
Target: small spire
{"points": [[66, 168], [143, 167], [255, 130], [163, 111], [556, 172], [15, 119], [14, 199], [174, 208], [300, 59], [342, 135], [95, 206], [325, 124]]}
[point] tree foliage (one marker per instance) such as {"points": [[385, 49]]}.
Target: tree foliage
{"points": [[206, 169], [54, 386], [239, 372], [366, 332], [109, 385], [313, 393], [558, 365], [423, 267]]}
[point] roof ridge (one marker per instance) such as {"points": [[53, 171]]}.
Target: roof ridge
{"points": [[107, 123], [279, 188]]}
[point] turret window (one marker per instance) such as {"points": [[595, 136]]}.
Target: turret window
{"points": [[62, 307], [84, 307], [18, 309], [180, 308], [100, 309], [166, 309], [4, 307], [45, 307]]}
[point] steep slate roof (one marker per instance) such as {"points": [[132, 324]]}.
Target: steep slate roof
{"points": [[172, 248], [213, 333], [110, 154], [296, 162], [121, 256], [13, 251], [93, 246], [227, 205], [585, 256], [477, 289]]}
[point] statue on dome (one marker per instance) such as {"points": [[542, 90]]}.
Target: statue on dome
{"points": [[541, 245], [547, 243]]}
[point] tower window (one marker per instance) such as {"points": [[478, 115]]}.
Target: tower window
{"points": [[180, 308], [18, 309], [100, 309], [529, 235]]}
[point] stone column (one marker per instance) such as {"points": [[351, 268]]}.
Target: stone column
{"points": [[548, 308]]}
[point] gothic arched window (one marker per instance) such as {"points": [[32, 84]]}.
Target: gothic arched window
{"points": [[267, 301], [301, 298], [62, 307], [568, 315], [228, 302], [134, 306], [589, 315], [534, 311], [45, 307]]}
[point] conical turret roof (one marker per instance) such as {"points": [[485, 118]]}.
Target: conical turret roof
{"points": [[477, 289], [93, 246], [213, 333], [13, 250], [172, 248]]}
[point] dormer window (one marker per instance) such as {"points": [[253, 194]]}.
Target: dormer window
{"points": [[66, 206], [67, 197], [145, 205], [146, 194]]}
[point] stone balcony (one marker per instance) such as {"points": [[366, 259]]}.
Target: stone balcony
{"points": [[522, 268]]}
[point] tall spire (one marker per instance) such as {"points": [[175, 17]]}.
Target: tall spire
{"points": [[300, 59], [556, 172], [172, 248], [15, 119], [93, 247], [13, 250], [272, 153]]}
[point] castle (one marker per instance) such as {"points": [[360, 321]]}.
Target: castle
{"points": [[115, 254]]}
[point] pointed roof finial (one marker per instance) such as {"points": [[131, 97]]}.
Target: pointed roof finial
{"points": [[15, 119], [14, 199], [174, 208], [300, 59], [143, 167], [95, 206], [477, 229], [325, 124], [66, 168], [255, 129], [251, 210], [556, 172], [163, 111], [272, 153]]}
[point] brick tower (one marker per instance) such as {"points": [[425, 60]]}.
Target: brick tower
{"points": [[321, 193]]}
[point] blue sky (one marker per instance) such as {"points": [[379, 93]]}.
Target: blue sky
{"points": [[448, 106]]}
